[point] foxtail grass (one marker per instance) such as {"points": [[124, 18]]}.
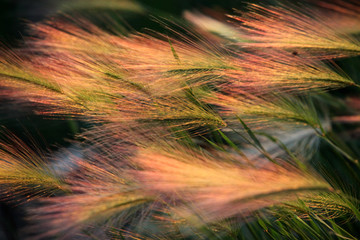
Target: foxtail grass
{"points": [[175, 120], [295, 29], [24, 172]]}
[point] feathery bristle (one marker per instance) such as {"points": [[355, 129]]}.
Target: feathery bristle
{"points": [[149, 97], [261, 111], [24, 171], [217, 190], [292, 28], [100, 190]]}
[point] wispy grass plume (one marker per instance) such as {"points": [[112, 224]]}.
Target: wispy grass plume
{"points": [[215, 189], [295, 29], [281, 71], [189, 130], [100, 191], [264, 110], [24, 171]]}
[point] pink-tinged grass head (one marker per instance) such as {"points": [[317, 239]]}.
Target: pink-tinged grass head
{"points": [[295, 29], [198, 183], [281, 71], [81, 70], [101, 190]]}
